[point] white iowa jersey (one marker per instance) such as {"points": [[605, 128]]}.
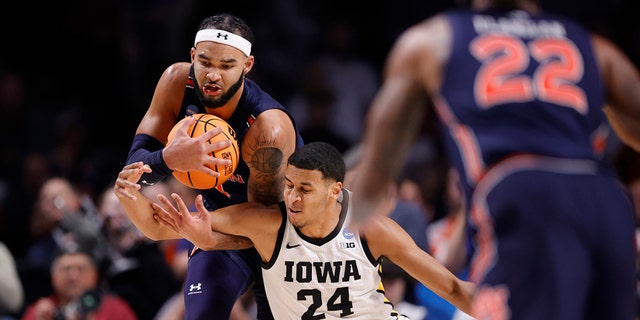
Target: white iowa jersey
{"points": [[331, 278]]}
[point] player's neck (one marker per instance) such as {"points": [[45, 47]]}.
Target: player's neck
{"points": [[323, 226]]}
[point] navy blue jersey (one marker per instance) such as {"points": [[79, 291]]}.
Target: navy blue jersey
{"points": [[521, 105], [536, 89], [216, 279], [253, 102]]}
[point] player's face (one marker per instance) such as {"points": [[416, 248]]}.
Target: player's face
{"points": [[307, 197], [219, 72]]}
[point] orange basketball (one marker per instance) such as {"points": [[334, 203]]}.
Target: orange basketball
{"points": [[200, 180]]}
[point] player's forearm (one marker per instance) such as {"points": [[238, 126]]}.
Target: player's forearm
{"points": [[222, 241], [462, 295], [449, 287], [432, 274], [141, 214], [147, 149]]}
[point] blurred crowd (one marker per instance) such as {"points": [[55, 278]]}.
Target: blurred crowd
{"points": [[73, 85]]}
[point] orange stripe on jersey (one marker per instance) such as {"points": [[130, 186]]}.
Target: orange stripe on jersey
{"points": [[485, 254], [465, 139]]}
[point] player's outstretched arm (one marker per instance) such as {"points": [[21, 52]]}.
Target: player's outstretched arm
{"points": [[141, 210], [389, 240], [136, 205], [202, 228]]}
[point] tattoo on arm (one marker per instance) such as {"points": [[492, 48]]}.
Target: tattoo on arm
{"points": [[267, 185]]}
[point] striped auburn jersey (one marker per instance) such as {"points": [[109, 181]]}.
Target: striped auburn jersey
{"points": [[536, 89], [331, 278]]}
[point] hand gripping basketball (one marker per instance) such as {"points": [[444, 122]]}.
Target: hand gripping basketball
{"points": [[205, 123]]}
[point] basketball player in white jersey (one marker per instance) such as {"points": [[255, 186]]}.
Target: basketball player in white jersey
{"points": [[315, 266]]}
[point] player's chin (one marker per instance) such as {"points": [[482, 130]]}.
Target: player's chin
{"points": [[212, 101]]}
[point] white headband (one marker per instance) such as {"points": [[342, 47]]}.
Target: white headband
{"points": [[224, 37]]}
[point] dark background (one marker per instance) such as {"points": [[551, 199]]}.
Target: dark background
{"points": [[104, 57]]}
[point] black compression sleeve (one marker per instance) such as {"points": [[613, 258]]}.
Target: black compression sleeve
{"points": [[147, 149]]}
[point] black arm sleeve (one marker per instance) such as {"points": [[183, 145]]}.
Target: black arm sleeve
{"points": [[148, 149]]}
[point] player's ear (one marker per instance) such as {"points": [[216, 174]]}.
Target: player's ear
{"points": [[248, 64], [336, 190]]}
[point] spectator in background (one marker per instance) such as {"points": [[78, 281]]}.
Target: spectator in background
{"points": [[62, 219], [448, 236], [448, 240], [76, 294], [137, 269]]}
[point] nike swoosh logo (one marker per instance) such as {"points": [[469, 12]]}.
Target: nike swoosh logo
{"points": [[289, 246]]}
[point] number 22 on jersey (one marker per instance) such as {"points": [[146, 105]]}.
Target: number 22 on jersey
{"points": [[505, 59]]}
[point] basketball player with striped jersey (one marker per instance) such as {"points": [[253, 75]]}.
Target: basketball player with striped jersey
{"points": [[522, 96], [314, 264]]}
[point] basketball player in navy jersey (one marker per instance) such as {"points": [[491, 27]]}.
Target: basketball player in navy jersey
{"points": [[215, 82], [520, 94], [315, 265]]}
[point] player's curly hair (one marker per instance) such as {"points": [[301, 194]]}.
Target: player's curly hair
{"points": [[228, 22], [320, 156]]}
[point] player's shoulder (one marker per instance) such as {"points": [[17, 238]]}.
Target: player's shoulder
{"points": [[274, 117], [170, 87], [376, 225], [426, 34], [177, 71], [608, 55], [271, 128], [422, 46], [603, 45], [273, 125], [272, 120]]}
